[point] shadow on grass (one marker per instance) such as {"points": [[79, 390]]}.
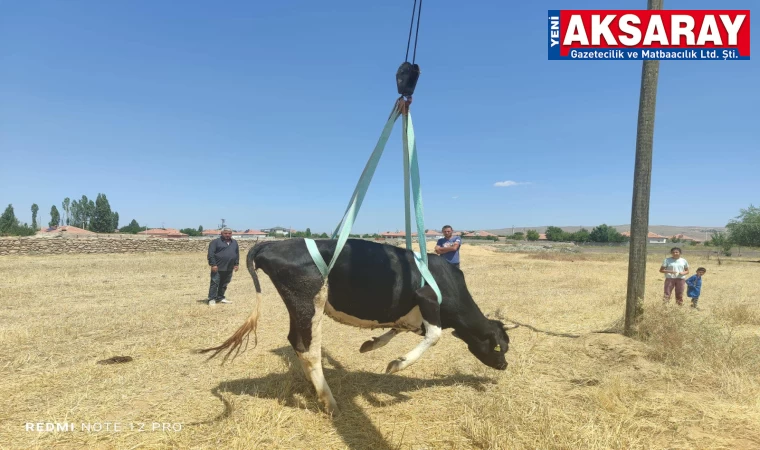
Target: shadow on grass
{"points": [[353, 424]]}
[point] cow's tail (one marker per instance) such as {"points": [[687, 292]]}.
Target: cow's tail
{"points": [[234, 342]]}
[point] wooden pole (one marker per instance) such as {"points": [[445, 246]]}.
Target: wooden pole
{"points": [[642, 180]]}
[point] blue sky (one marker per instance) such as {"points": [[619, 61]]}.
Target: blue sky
{"points": [[264, 113]]}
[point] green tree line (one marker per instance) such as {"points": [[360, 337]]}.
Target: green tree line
{"points": [[84, 213], [601, 233]]}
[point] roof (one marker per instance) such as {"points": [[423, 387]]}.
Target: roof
{"points": [[163, 232], [428, 233], [683, 237], [399, 234], [480, 233], [251, 232], [210, 232], [279, 228], [68, 229], [542, 237], [649, 235]]}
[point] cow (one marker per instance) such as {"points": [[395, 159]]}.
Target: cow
{"points": [[372, 285]]}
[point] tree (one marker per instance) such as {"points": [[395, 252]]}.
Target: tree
{"points": [[35, 210], [605, 233], [532, 235], [600, 233], [8, 221], [723, 241], [308, 232], [555, 234], [84, 206], [132, 228], [115, 222], [190, 231], [744, 230], [74, 214], [82, 212], [642, 182], [581, 235], [101, 220], [90, 211], [67, 209], [200, 229], [55, 217], [10, 226]]}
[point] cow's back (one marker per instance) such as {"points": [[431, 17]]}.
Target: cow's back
{"points": [[372, 281]]}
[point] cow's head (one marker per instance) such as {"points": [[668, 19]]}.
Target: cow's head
{"points": [[489, 345]]}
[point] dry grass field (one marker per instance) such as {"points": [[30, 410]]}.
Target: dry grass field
{"points": [[691, 380]]}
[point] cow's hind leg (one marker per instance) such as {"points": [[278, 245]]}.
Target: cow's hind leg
{"points": [[378, 342], [431, 318], [310, 354]]}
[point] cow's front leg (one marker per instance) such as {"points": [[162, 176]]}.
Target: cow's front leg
{"points": [[378, 342], [311, 355], [431, 318]]}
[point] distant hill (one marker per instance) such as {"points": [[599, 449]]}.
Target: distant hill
{"points": [[663, 230]]}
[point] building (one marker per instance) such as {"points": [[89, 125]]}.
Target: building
{"points": [[430, 235], [64, 230], [684, 238], [164, 232], [279, 231], [433, 235], [250, 234], [652, 238], [480, 233], [395, 234]]}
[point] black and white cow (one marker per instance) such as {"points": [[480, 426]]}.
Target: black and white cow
{"points": [[371, 285]]}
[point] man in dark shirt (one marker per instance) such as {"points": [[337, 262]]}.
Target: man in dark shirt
{"points": [[224, 258]]}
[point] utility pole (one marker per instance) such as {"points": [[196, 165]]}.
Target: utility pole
{"points": [[642, 181]]}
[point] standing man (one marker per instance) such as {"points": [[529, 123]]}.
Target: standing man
{"points": [[448, 246], [223, 258]]}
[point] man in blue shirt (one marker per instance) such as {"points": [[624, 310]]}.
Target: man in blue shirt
{"points": [[448, 246]]}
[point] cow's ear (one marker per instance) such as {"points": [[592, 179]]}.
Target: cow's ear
{"points": [[493, 343]]}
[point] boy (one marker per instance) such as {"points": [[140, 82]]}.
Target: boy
{"points": [[675, 269], [695, 286]]}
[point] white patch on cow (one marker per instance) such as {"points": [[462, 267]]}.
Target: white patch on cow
{"points": [[432, 335], [412, 321], [311, 360]]}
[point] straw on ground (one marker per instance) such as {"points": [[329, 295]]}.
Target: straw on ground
{"points": [[690, 381]]}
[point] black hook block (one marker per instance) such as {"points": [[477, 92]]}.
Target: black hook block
{"points": [[406, 78]]}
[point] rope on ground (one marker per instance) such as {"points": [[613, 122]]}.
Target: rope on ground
{"points": [[613, 329]]}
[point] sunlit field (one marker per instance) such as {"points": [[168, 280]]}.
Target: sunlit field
{"points": [[690, 380]]}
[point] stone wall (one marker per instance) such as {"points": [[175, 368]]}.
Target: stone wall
{"points": [[101, 244]]}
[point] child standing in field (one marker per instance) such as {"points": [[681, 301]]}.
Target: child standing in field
{"points": [[675, 269], [695, 286]]}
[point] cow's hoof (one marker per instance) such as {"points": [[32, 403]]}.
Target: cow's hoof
{"points": [[396, 365], [332, 410], [367, 346]]}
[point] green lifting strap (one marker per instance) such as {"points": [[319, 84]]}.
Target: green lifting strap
{"points": [[347, 222]]}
